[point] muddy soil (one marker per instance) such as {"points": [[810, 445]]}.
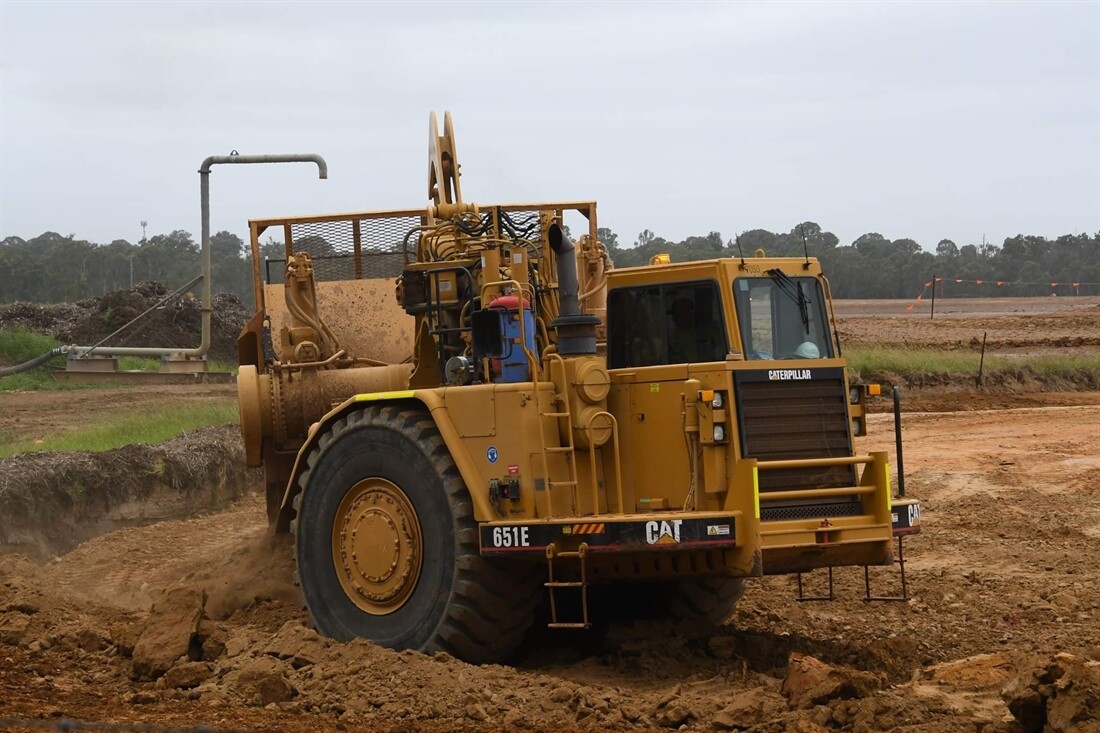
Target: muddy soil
{"points": [[1003, 578], [1008, 325]]}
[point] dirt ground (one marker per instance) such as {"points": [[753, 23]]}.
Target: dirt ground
{"points": [[1003, 579], [1029, 325]]}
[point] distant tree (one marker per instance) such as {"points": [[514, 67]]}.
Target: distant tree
{"points": [[609, 238], [231, 265], [947, 249], [755, 239]]}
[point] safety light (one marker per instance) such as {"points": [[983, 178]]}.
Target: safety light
{"points": [[664, 258]]}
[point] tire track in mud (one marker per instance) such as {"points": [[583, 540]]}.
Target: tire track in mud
{"points": [[231, 554]]}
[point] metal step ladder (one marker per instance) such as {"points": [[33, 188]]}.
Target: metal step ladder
{"points": [[552, 585], [568, 450], [867, 595]]}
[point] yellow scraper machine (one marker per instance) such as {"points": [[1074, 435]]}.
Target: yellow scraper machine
{"points": [[524, 421]]}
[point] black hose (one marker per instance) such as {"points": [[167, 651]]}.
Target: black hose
{"points": [[35, 362]]}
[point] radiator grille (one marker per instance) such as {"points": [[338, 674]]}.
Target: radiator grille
{"points": [[779, 510], [783, 420]]}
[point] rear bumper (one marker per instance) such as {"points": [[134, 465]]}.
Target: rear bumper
{"points": [[866, 538], [799, 546], [620, 533]]}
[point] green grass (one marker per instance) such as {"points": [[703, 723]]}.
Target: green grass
{"points": [[19, 345], [137, 364], [932, 361], [139, 427]]}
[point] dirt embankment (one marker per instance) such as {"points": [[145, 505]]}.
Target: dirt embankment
{"points": [[51, 502]]}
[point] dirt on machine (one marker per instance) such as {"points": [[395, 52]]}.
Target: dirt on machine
{"points": [[463, 410]]}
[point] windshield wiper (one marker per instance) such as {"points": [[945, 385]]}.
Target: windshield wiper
{"points": [[793, 290]]}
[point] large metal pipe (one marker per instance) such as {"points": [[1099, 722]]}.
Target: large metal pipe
{"points": [[204, 204]]}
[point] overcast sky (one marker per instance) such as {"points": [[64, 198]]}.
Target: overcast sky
{"points": [[925, 120]]}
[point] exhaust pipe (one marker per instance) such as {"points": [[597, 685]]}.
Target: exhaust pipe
{"points": [[576, 331]]}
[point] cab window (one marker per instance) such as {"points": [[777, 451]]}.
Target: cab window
{"points": [[675, 323], [782, 317]]}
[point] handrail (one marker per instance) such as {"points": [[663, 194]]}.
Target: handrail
{"points": [[592, 459], [813, 462], [818, 493]]}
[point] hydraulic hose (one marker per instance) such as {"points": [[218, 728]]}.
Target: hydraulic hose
{"points": [[35, 362]]}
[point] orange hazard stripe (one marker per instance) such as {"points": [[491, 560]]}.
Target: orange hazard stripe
{"points": [[588, 528]]}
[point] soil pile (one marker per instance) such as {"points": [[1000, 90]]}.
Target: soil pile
{"points": [[177, 324]]}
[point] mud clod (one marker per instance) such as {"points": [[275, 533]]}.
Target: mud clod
{"points": [[1060, 695], [169, 632], [810, 681]]}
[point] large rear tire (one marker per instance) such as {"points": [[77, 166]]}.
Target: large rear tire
{"points": [[705, 599], [387, 547]]}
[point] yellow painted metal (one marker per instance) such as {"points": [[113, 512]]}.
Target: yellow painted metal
{"points": [[400, 394], [377, 546]]}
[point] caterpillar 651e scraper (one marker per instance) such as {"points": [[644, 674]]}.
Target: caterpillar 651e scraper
{"points": [[460, 409]]}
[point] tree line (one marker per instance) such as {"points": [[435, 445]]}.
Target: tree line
{"points": [[876, 267], [52, 268]]}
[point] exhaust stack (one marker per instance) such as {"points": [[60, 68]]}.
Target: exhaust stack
{"points": [[576, 331]]}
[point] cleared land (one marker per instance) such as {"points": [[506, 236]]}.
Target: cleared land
{"points": [[1003, 578]]}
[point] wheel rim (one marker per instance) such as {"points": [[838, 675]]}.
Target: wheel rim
{"points": [[376, 546]]}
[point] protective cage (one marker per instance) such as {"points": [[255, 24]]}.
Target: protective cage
{"points": [[360, 246]]}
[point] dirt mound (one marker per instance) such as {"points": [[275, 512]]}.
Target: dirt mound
{"points": [[1060, 695], [51, 502], [177, 324]]}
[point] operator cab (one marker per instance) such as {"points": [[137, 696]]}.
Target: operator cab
{"points": [[778, 317]]}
